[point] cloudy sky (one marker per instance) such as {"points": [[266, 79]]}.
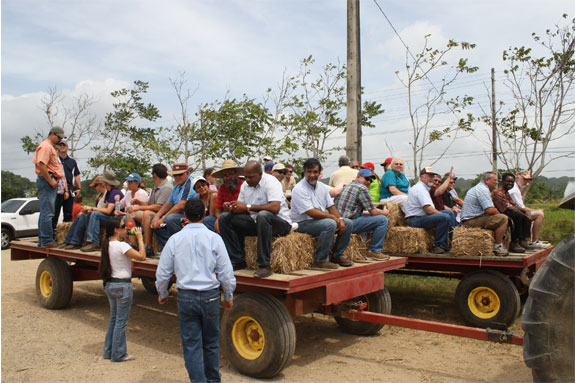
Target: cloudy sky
{"points": [[95, 47]]}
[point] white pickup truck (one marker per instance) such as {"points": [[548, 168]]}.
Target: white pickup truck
{"points": [[19, 219]]}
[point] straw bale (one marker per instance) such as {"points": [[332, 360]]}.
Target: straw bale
{"points": [[472, 241], [289, 253], [61, 231], [356, 248], [407, 240], [395, 216]]}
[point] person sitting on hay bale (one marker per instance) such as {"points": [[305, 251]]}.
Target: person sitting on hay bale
{"points": [[353, 201], [375, 187], [421, 212], [522, 179], [478, 211], [345, 174], [450, 198], [520, 218], [228, 191], [395, 185], [261, 210], [438, 187], [313, 210]]}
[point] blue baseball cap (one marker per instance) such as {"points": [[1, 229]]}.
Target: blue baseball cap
{"points": [[269, 166], [134, 177], [367, 173]]}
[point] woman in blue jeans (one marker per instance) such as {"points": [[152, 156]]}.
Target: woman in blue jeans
{"points": [[116, 271]]}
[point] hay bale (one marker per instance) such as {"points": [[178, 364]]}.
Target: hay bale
{"points": [[407, 240], [61, 231], [395, 216], [356, 248], [289, 253], [472, 241]]}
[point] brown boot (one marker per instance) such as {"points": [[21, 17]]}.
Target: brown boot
{"points": [[91, 247], [324, 265], [342, 262], [374, 255]]}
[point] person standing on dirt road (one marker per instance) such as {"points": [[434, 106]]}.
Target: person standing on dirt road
{"points": [[116, 272], [49, 170], [200, 261]]}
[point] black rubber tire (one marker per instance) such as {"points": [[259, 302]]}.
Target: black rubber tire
{"points": [[6, 238], [149, 284], [548, 317], [276, 326], [54, 283], [492, 282], [377, 302], [521, 289]]}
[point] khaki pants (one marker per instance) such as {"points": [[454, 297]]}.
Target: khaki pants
{"points": [[491, 222]]}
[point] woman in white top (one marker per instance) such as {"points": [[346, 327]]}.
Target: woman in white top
{"points": [[116, 272]]}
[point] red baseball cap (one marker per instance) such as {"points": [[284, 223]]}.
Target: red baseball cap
{"points": [[387, 161], [368, 165]]}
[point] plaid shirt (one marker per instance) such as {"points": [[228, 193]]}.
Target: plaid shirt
{"points": [[502, 200], [477, 199], [353, 200]]}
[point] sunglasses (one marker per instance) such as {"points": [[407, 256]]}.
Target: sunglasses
{"points": [[122, 227], [59, 137], [356, 167], [290, 171], [281, 172]]}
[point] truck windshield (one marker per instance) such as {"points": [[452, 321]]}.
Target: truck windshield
{"points": [[12, 205]]}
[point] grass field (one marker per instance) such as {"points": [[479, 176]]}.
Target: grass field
{"points": [[558, 223]]}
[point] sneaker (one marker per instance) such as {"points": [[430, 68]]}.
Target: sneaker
{"points": [[126, 358], [341, 261], [515, 247], [263, 272], [239, 266], [437, 249], [324, 265], [90, 247], [375, 255], [500, 251], [537, 245]]}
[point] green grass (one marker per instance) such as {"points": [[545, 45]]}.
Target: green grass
{"points": [[558, 223]]}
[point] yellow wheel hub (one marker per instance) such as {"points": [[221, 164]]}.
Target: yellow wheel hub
{"points": [[45, 284], [248, 338], [483, 302]]}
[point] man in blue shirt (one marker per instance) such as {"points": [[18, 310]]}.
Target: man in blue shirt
{"points": [[65, 201], [167, 221], [200, 261], [353, 201], [420, 212], [313, 210]]}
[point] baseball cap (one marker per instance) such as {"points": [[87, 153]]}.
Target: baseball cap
{"points": [[367, 173], [267, 158], [525, 175], [269, 166], [387, 161], [369, 165], [278, 166], [58, 131], [427, 170], [134, 177]]}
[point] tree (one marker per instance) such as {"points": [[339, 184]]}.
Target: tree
{"points": [[127, 147], [15, 186], [540, 80], [426, 65]]}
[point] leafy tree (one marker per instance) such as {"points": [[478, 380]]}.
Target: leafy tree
{"points": [[431, 63], [126, 146], [542, 111], [15, 186]]}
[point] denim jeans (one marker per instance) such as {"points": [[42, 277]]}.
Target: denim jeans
{"points": [[173, 225], [210, 222], [64, 205], [120, 296], [324, 229], [75, 235], [97, 219], [199, 321], [266, 226], [374, 223], [440, 222], [47, 196]]}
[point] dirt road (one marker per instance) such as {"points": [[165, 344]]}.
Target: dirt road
{"points": [[40, 345]]}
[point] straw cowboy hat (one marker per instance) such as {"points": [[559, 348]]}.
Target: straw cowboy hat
{"points": [[229, 164], [109, 177], [178, 169]]}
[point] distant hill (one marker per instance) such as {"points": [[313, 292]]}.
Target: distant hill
{"points": [[15, 186]]}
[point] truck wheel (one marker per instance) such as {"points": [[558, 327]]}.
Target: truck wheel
{"points": [[549, 342], [6, 238], [258, 335], [377, 302], [487, 297], [149, 284], [54, 283]]}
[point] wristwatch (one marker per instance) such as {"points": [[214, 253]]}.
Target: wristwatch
{"points": [[249, 206]]}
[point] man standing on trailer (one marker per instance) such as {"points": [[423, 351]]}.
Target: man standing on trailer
{"points": [[200, 261]]}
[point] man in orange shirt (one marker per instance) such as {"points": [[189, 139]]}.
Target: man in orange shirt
{"points": [[49, 171]]}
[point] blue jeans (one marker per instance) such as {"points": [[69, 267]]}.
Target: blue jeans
{"points": [[97, 219], [173, 225], [75, 235], [120, 296], [324, 229], [210, 222], [199, 321], [47, 196], [440, 222], [374, 223]]}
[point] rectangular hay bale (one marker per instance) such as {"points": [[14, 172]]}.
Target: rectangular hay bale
{"points": [[395, 216], [472, 241], [407, 240]]}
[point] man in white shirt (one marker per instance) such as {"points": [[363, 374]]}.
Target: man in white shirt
{"points": [[345, 174], [260, 210], [522, 179], [312, 208]]}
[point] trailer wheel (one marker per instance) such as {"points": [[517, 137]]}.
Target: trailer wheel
{"points": [[258, 335], [54, 283], [549, 342], [149, 284], [487, 297], [377, 302]]}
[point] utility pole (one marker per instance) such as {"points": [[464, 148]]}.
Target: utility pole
{"points": [[493, 125], [353, 136]]}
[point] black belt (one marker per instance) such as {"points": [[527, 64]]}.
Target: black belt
{"points": [[120, 280]]}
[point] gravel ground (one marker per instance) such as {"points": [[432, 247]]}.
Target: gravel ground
{"points": [[40, 345]]}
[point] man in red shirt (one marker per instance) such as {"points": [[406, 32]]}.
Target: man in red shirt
{"points": [[227, 192], [49, 170]]}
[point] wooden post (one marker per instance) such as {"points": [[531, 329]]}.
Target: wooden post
{"points": [[493, 125], [353, 136]]}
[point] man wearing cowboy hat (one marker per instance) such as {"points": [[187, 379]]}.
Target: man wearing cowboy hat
{"points": [[49, 170], [227, 192], [167, 221]]}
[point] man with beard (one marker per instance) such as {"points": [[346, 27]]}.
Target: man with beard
{"points": [[227, 192], [521, 218], [260, 210], [315, 213]]}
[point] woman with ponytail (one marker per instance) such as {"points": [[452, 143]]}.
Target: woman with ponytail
{"points": [[116, 272]]}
